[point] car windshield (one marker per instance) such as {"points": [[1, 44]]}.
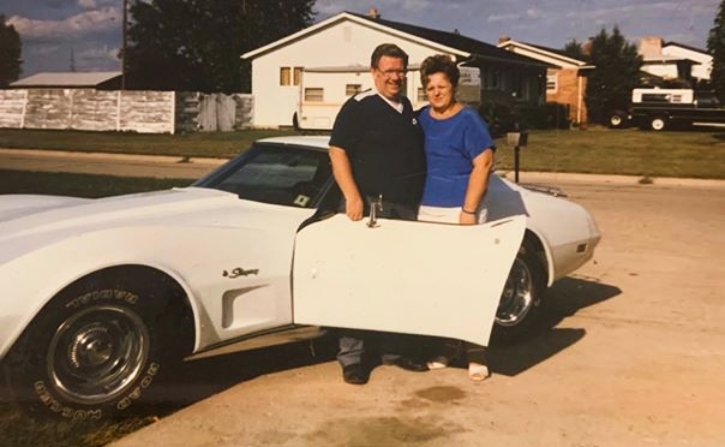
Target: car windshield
{"points": [[276, 174]]}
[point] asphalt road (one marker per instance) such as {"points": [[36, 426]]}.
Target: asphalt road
{"points": [[634, 354]]}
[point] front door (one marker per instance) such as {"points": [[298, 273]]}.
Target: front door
{"points": [[400, 276]]}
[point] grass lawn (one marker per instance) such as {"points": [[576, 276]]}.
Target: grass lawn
{"points": [[695, 154], [197, 144]]}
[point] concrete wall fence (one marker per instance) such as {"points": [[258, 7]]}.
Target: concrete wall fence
{"points": [[124, 111]]}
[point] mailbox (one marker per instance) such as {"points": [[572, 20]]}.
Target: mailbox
{"points": [[518, 139]]}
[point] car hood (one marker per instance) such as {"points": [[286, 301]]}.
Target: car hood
{"points": [[33, 215]]}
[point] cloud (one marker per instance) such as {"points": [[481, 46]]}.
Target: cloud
{"points": [[78, 25], [98, 58], [87, 4]]}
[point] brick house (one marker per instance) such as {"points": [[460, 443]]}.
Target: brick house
{"points": [[565, 78]]}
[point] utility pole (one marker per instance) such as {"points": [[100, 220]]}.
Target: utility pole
{"points": [[124, 39]]}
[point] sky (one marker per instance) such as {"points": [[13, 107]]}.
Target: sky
{"points": [[86, 34]]}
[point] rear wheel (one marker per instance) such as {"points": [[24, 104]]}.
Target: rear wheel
{"points": [[97, 350], [658, 123], [519, 310]]}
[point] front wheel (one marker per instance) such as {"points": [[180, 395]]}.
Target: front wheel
{"points": [[617, 119], [520, 308], [96, 350]]}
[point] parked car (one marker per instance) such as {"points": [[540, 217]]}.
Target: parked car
{"points": [[102, 296]]}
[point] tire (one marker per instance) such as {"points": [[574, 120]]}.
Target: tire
{"points": [[616, 120], [658, 123], [98, 349], [520, 309]]}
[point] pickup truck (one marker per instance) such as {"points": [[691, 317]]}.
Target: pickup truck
{"points": [[659, 109]]}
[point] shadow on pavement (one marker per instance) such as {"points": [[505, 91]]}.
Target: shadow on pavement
{"points": [[563, 299], [196, 380]]}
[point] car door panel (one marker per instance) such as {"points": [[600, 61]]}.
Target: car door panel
{"points": [[401, 276]]}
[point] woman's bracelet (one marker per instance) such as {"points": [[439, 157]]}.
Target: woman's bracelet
{"points": [[468, 212]]}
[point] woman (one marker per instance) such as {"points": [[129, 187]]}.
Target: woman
{"points": [[459, 152]]}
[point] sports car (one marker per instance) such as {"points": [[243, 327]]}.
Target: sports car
{"points": [[102, 296]]}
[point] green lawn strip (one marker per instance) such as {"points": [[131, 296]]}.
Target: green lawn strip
{"points": [[694, 154], [196, 144], [79, 185]]}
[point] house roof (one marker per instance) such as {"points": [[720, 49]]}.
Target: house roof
{"points": [[444, 41], [544, 51], [687, 47], [475, 48], [667, 59], [72, 79]]}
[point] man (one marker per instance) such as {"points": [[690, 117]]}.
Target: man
{"points": [[376, 150]]}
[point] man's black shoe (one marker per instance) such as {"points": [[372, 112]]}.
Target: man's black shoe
{"points": [[408, 364], [355, 374]]}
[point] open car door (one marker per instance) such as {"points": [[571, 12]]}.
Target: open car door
{"points": [[401, 276]]}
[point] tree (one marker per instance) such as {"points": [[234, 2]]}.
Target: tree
{"points": [[195, 45], [716, 48], [574, 50], [616, 73], [10, 53]]}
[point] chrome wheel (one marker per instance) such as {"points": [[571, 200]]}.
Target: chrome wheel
{"points": [[517, 297], [97, 353]]}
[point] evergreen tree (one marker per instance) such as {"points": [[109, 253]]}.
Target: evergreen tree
{"points": [[716, 48], [574, 50], [617, 67], [10, 53], [195, 45]]}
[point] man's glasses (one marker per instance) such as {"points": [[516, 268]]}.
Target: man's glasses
{"points": [[391, 73]]}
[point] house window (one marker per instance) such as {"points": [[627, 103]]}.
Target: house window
{"points": [[420, 97], [297, 75], [290, 75], [314, 94], [284, 76], [352, 89], [496, 81], [552, 82]]}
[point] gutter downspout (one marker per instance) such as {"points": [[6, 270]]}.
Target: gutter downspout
{"points": [[579, 100]]}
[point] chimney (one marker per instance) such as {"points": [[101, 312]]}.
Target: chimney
{"points": [[503, 39], [373, 13], [650, 46]]}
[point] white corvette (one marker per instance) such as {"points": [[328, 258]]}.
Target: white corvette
{"points": [[100, 296]]}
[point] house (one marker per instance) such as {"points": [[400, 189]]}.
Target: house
{"points": [[110, 80], [703, 68], [565, 79], [307, 76], [674, 61]]}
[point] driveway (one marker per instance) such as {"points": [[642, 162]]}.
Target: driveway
{"points": [[634, 355]]}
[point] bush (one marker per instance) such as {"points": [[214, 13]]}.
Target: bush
{"points": [[502, 118]]}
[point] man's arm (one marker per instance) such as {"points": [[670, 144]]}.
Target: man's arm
{"points": [[343, 176]]}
